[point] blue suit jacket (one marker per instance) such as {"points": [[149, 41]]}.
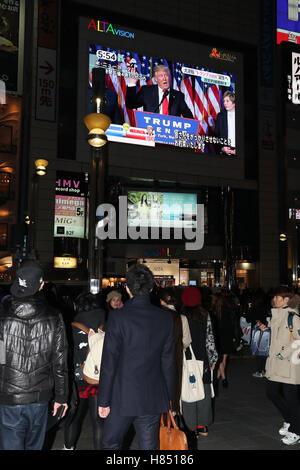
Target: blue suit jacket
{"points": [[147, 97], [136, 376]]}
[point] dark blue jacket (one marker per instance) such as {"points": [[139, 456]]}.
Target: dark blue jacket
{"points": [[221, 127], [147, 97], [136, 376]]}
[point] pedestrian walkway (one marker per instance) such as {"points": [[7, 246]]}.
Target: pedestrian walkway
{"points": [[244, 418]]}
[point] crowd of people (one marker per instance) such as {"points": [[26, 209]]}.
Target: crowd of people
{"points": [[150, 333]]}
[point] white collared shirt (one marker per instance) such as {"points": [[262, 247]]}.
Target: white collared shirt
{"points": [[231, 127]]}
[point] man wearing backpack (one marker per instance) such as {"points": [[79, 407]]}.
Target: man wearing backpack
{"points": [[135, 384], [88, 319]]}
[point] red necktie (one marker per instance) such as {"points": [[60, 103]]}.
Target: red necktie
{"points": [[165, 106]]}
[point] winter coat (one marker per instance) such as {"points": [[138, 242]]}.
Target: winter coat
{"points": [[225, 327], [33, 353], [91, 319], [203, 343], [136, 376], [182, 339], [287, 369]]}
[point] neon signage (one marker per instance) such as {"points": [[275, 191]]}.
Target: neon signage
{"points": [[106, 27]]}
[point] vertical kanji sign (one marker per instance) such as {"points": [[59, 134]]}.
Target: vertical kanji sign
{"points": [[296, 78], [46, 85], [46, 61]]}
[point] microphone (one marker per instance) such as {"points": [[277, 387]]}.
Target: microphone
{"points": [[166, 93]]}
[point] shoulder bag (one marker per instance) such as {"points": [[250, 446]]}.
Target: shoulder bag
{"points": [[192, 388], [170, 436]]}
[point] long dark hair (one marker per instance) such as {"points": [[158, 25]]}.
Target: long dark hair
{"points": [[223, 300], [197, 313], [86, 302], [167, 295], [283, 291]]}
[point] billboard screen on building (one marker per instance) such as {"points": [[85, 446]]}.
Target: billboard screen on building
{"points": [[158, 209], [288, 21], [9, 44], [197, 112]]}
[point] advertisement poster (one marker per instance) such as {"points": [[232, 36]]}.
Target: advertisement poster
{"points": [[9, 43], [151, 209], [71, 205], [69, 216]]}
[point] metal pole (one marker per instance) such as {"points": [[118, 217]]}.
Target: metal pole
{"points": [[97, 188]]}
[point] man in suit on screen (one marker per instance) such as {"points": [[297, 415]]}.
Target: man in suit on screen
{"points": [[160, 98], [136, 376]]}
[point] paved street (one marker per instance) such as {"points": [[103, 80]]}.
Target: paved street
{"points": [[244, 418]]}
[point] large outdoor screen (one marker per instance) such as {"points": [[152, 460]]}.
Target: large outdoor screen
{"points": [[166, 210], [182, 105]]}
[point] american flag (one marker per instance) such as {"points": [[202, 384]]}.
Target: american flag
{"points": [[146, 70], [201, 106], [214, 101], [128, 113], [186, 87], [116, 82], [177, 75]]}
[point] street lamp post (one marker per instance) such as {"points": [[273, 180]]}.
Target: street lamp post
{"points": [[228, 223], [31, 220], [97, 123]]}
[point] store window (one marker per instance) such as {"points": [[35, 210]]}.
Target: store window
{"points": [[3, 237], [6, 185]]}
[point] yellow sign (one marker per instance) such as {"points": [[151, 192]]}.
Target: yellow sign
{"points": [[65, 262]]}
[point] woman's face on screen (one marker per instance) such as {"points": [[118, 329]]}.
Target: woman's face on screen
{"points": [[228, 104]]}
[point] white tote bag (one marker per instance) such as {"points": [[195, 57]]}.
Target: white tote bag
{"points": [[192, 388]]}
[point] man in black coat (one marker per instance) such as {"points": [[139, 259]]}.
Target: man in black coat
{"points": [[136, 377], [33, 362], [151, 97]]}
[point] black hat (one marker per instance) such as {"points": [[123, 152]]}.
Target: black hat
{"points": [[29, 278]]}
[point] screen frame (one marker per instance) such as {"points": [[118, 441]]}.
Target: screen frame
{"points": [[186, 52]]}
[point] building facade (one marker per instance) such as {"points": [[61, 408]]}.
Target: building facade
{"points": [[245, 203]]}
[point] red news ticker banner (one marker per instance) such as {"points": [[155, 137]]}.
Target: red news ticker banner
{"points": [[287, 36]]}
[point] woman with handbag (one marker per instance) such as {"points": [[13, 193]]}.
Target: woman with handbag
{"points": [[198, 415], [182, 339]]}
